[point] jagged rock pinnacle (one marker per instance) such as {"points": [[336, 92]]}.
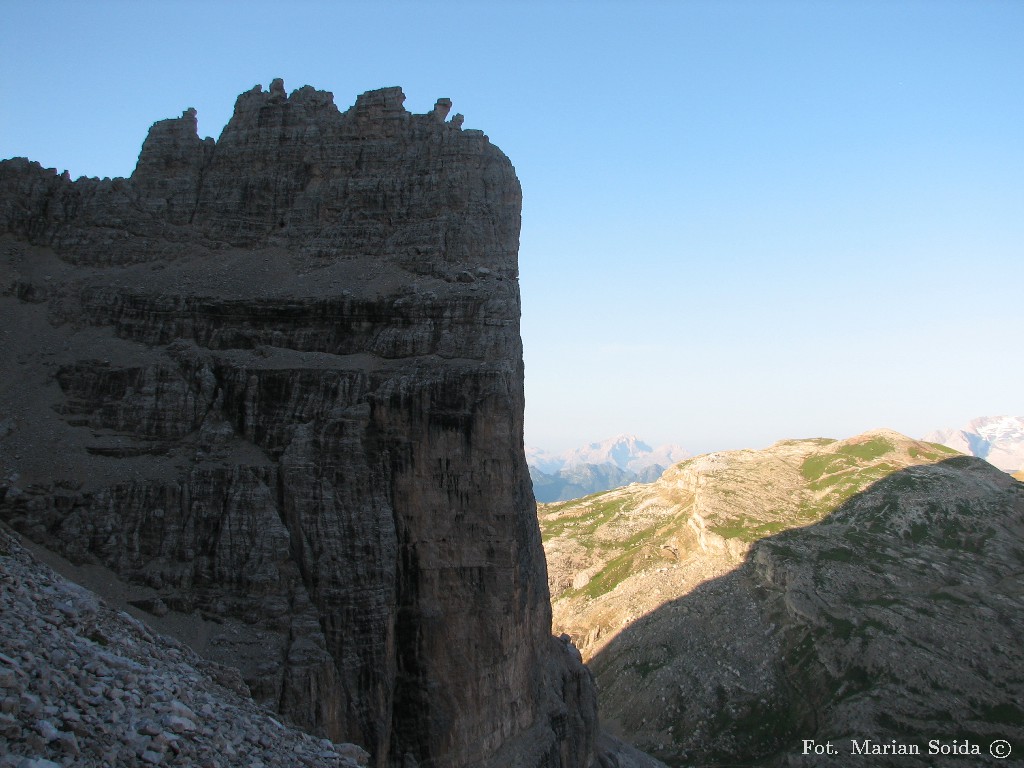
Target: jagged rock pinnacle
{"points": [[274, 382]]}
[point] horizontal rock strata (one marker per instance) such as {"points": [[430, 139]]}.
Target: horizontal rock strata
{"points": [[275, 382]]}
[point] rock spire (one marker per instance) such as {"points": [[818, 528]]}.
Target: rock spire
{"points": [[274, 383]]}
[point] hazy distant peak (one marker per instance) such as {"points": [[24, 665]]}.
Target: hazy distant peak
{"points": [[620, 451], [544, 460], [625, 451], [624, 438], [998, 427], [997, 439], [598, 466]]}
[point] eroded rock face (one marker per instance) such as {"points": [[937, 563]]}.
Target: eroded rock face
{"points": [[275, 382]]}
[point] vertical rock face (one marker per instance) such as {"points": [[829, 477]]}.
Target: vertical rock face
{"points": [[275, 382]]}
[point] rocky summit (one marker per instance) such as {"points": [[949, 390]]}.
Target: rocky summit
{"points": [[802, 605], [273, 383]]}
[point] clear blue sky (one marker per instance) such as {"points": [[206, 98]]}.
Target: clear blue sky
{"points": [[743, 221]]}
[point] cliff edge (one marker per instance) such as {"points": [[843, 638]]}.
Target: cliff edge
{"points": [[274, 383]]}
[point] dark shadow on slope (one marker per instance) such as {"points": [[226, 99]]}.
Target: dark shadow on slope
{"points": [[897, 619]]}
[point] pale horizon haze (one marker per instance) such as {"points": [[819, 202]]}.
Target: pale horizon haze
{"points": [[742, 221]]}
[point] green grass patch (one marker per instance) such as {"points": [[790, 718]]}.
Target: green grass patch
{"points": [[843, 485], [816, 466], [943, 450], [750, 531], [731, 531], [614, 573], [768, 529], [593, 513], [812, 512], [620, 567], [846, 457], [872, 449], [936, 452]]}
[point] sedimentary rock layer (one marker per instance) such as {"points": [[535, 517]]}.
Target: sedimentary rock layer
{"points": [[275, 382]]}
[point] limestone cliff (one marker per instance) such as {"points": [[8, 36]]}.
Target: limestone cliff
{"points": [[275, 383]]}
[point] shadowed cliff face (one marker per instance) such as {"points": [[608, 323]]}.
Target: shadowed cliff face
{"points": [[275, 382]]}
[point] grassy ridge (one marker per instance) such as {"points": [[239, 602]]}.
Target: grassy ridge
{"points": [[741, 495]]}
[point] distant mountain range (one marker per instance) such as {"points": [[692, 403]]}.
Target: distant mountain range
{"points": [[997, 439], [625, 459], [611, 463]]}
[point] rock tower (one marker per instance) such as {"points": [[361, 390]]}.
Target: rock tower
{"points": [[275, 383]]}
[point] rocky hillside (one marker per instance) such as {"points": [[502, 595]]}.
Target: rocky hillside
{"points": [[867, 588], [997, 439], [274, 383], [83, 683]]}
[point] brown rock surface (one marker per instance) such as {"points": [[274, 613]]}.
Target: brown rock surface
{"points": [[274, 382]]}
